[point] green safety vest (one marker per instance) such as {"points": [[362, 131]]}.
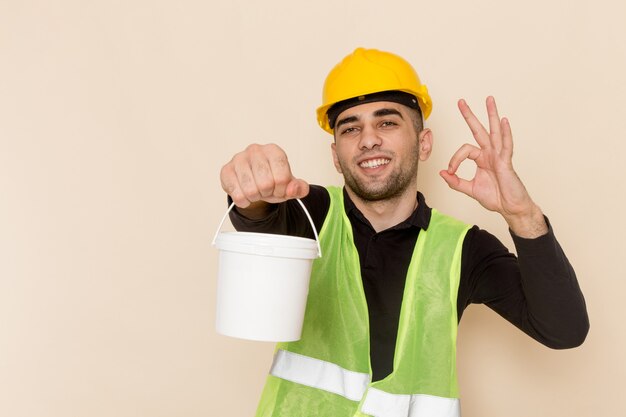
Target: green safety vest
{"points": [[327, 373]]}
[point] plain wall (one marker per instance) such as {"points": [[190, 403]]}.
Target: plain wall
{"points": [[116, 116]]}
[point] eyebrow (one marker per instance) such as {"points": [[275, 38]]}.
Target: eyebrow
{"points": [[378, 113], [387, 112], [346, 120]]}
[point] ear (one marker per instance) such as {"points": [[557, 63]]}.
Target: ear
{"points": [[425, 143], [333, 147]]}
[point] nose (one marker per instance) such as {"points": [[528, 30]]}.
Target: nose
{"points": [[369, 138]]}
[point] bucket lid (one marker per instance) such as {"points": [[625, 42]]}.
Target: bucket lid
{"points": [[266, 244]]}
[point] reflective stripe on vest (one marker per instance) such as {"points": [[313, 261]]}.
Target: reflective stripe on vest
{"points": [[382, 404], [319, 374], [327, 376]]}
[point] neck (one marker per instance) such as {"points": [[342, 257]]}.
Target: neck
{"points": [[384, 214]]}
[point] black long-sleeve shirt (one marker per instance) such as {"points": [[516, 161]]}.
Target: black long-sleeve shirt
{"points": [[537, 292]]}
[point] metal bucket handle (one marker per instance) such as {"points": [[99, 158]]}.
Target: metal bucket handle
{"points": [[317, 239]]}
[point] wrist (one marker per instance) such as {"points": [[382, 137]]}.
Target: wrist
{"points": [[255, 211], [528, 224]]}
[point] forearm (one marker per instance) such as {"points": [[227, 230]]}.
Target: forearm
{"points": [[538, 292], [555, 306], [266, 219], [255, 211]]}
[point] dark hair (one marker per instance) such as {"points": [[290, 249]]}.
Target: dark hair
{"points": [[418, 120], [400, 97]]}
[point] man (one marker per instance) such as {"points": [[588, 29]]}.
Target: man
{"points": [[379, 336]]}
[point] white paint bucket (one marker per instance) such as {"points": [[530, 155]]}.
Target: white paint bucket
{"points": [[263, 283]]}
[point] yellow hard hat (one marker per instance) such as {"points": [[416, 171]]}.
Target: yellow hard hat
{"points": [[368, 71]]}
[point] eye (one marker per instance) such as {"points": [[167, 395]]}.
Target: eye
{"points": [[388, 123], [348, 130]]}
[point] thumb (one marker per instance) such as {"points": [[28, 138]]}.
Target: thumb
{"points": [[448, 178], [456, 183], [297, 188]]}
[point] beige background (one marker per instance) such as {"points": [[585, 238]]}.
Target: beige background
{"points": [[115, 118]]}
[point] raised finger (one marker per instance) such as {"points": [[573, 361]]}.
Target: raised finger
{"points": [[478, 130], [494, 124], [507, 138], [466, 151]]}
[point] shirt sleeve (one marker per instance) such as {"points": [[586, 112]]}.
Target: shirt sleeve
{"points": [[288, 218], [537, 291]]}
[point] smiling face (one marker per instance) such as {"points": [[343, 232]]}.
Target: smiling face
{"points": [[377, 149]]}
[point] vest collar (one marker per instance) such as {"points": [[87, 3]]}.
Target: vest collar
{"points": [[420, 217]]}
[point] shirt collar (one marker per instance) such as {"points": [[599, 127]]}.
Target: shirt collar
{"points": [[420, 217]]}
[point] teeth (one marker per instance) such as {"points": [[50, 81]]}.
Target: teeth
{"points": [[374, 163]]}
